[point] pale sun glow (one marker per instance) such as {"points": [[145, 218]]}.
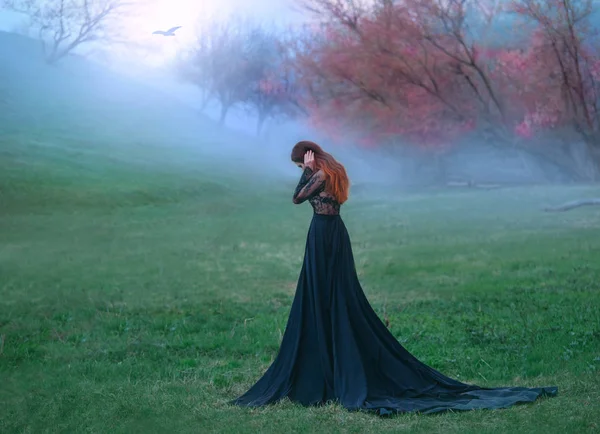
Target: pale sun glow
{"points": [[164, 14]]}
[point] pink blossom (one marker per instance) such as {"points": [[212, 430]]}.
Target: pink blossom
{"points": [[524, 129]]}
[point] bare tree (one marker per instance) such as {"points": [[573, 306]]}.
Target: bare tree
{"points": [[273, 87], [191, 66], [273, 97], [65, 25], [217, 63], [238, 63]]}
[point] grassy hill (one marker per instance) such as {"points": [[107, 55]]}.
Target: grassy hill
{"points": [[146, 273], [79, 124]]}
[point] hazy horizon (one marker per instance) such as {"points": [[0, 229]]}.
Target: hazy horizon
{"points": [[478, 161]]}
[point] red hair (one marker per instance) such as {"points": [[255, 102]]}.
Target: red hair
{"points": [[336, 179]]}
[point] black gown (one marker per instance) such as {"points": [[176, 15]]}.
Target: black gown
{"points": [[335, 347]]}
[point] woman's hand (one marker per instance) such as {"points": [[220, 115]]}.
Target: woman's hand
{"points": [[309, 160]]}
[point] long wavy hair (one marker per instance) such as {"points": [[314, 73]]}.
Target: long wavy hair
{"points": [[336, 179]]}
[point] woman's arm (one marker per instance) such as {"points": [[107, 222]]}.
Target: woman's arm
{"points": [[309, 185]]}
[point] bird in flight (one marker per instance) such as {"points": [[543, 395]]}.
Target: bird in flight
{"points": [[170, 32]]}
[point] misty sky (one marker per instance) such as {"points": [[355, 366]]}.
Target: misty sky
{"points": [[145, 65], [163, 14]]}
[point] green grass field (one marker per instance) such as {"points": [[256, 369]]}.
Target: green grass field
{"points": [[141, 289]]}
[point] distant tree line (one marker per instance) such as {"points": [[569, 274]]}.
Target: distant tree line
{"points": [[430, 74], [422, 74]]}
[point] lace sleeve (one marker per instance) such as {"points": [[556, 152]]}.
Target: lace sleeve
{"points": [[309, 185]]}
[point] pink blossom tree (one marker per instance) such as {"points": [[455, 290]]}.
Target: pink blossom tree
{"points": [[416, 71]]}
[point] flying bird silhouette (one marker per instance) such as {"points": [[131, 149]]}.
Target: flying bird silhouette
{"points": [[170, 32]]}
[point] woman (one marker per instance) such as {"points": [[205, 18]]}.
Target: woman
{"points": [[335, 347]]}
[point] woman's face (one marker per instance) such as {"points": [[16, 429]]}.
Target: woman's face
{"points": [[300, 165]]}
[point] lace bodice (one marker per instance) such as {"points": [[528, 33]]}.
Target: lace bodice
{"points": [[312, 188]]}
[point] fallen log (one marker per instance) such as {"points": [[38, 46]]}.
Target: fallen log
{"points": [[572, 205]]}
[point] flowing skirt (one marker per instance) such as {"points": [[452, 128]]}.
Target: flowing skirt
{"points": [[335, 347]]}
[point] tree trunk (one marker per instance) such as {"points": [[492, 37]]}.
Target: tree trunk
{"points": [[559, 163], [262, 117], [553, 155], [51, 60], [224, 111], [55, 54]]}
